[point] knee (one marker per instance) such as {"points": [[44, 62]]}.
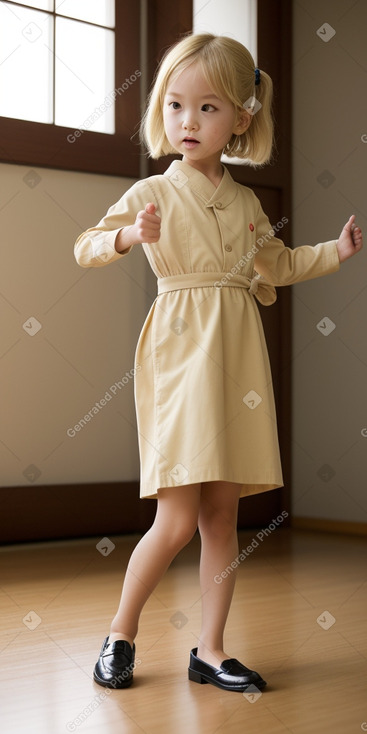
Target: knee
{"points": [[214, 524], [179, 533], [177, 516]]}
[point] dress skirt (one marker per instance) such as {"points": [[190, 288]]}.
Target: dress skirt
{"points": [[203, 389]]}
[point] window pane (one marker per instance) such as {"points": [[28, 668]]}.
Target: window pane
{"points": [[84, 67], [26, 42], [101, 12], [235, 19], [40, 4]]}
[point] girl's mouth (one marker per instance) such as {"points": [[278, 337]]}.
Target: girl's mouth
{"points": [[190, 142]]}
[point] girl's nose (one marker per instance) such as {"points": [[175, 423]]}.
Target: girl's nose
{"points": [[189, 123]]}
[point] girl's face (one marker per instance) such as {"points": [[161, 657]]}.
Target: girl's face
{"points": [[197, 122]]}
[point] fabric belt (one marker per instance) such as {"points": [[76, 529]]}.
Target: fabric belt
{"points": [[256, 286]]}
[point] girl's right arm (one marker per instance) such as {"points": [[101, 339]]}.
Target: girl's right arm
{"points": [[147, 228], [129, 222]]}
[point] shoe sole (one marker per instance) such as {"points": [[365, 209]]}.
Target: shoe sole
{"points": [[197, 677], [107, 684]]}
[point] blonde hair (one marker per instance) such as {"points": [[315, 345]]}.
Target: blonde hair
{"points": [[229, 69]]}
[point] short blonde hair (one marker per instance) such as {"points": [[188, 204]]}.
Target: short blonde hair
{"points": [[229, 69]]}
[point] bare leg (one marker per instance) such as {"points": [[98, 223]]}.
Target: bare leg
{"points": [[219, 547], [174, 525]]}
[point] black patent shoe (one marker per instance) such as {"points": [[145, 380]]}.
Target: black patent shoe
{"points": [[115, 665], [231, 676]]}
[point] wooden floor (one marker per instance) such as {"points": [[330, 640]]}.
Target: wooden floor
{"points": [[57, 600]]}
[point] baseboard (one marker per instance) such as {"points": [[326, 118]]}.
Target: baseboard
{"points": [[329, 526], [54, 512], [60, 512]]}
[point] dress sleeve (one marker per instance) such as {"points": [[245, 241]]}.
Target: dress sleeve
{"points": [[96, 246], [281, 265]]}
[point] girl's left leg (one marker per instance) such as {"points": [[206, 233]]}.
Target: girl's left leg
{"points": [[219, 547]]}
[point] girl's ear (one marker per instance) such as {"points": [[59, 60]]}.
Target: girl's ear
{"points": [[243, 122]]}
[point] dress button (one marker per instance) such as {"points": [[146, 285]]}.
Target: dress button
{"points": [[218, 204], [228, 248]]}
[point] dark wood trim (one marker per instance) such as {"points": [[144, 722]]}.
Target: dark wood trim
{"points": [[34, 144], [321, 525], [32, 513], [64, 511], [177, 22], [38, 144], [277, 26], [127, 110], [275, 57]]}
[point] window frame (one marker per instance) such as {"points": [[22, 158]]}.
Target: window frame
{"points": [[47, 145]]}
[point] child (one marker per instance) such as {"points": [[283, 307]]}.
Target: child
{"points": [[204, 401]]}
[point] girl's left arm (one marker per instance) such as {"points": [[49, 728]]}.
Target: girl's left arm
{"points": [[281, 265]]}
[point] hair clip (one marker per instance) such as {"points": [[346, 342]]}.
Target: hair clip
{"points": [[250, 105], [257, 77]]}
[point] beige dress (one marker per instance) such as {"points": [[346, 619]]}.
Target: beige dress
{"points": [[203, 388]]}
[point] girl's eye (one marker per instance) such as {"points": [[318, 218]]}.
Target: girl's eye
{"points": [[173, 104], [206, 106]]}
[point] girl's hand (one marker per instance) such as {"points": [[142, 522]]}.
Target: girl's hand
{"points": [[350, 240], [147, 228], [148, 225]]}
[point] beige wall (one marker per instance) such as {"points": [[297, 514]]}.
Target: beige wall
{"points": [[330, 372], [90, 318]]}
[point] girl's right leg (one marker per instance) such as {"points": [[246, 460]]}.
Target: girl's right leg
{"points": [[174, 525]]}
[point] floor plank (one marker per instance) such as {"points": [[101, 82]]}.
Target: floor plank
{"points": [[57, 600]]}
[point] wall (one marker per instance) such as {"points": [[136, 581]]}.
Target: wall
{"points": [[329, 169], [52, 377]]}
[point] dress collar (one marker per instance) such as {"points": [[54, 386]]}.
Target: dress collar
{"points": [[182, 173]]}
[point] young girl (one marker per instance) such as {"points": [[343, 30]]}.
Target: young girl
{"points": [[203, 395]]}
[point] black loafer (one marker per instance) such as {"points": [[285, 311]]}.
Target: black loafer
{"points": [[231, 676], [115, 665]]}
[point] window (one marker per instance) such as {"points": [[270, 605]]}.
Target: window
{"points": [[50, 55], [237, 19], [70, 94]]}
